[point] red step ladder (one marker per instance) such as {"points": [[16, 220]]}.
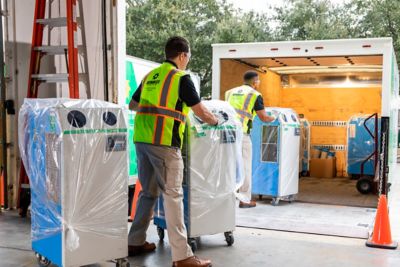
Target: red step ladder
{"points": [[38, 50]]}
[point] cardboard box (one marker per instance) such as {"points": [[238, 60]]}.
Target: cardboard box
{"points": [[323, 168], [315, 153]]}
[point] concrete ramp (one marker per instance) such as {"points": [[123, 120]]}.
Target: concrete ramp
{"points": [[309, 218]]}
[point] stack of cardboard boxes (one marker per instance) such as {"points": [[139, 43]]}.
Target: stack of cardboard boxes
{"points": [[322, 163]]}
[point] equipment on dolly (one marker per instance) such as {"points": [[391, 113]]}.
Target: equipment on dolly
{"points": [[363, 135], [75, 153], [275, 168], [212, 174]]}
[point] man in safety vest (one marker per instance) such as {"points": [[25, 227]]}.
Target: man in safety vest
{"points": [[162, 102], [247, 103]]}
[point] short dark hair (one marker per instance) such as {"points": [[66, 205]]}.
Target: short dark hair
{"points": [[176, 45], [249, 76]]}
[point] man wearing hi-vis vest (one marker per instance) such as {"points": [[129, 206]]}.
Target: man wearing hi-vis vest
{"points": [[162, 102], [248, 103]]}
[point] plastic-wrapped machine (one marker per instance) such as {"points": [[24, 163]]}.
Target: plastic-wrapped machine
{"points": [[75, 154], [363, 135], [213, 173], [305, 147], [275, 168], [132, 168]]}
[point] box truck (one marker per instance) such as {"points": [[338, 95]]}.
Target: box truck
{"points": [[327, 82]]}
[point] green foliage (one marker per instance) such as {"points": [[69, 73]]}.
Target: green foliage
{"points": [[377, 18], [310, 20], [204, 22]]}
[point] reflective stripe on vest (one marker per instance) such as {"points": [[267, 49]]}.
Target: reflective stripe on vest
{"points": [[166, 87], [243, 113], [247, 102], [162, 111]]}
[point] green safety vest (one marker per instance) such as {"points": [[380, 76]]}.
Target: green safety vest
{"points": [[161, 115], [242, 99]]}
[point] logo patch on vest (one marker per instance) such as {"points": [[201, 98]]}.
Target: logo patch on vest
{"points": [[154, 81]]}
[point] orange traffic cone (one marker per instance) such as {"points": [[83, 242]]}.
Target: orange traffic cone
{"points": [[381, 236], [2, 189], [138, 188]]}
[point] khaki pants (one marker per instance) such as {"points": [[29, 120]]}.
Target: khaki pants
{"points": [[245, 190], [161, 168]]}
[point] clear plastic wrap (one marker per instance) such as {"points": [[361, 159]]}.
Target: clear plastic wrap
{"points": [[305, 147], [213, 172], [216, 170], [75, 154], [276, 148], [360, 144]]}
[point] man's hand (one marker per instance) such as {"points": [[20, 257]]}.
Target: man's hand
{"points": [[264, 116], [204, 114]]}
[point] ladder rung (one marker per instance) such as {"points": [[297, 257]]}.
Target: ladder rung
{"points": [[56, 77], [53, 22], [52, 50], [55, 50], [56, 22]]}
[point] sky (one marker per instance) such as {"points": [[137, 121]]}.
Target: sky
{"points": [[262, 5]]}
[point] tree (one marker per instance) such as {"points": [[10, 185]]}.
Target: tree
{"points": [[377, 18], [203, 22], [310, 20]]}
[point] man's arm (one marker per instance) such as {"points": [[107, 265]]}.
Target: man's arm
{"points": [[133, 105], [260, 110], [204, 114], [187, 92], [264, 116]]}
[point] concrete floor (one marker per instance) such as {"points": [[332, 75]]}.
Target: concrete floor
{"points": [[309, 218], [253, 247]]}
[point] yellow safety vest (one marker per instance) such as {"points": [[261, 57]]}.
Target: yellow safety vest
{"points": [[242, 99], [161, 115]]}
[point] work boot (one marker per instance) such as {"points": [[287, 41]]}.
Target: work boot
{"points": [[251, 204], [192, 262], [143, 249]]}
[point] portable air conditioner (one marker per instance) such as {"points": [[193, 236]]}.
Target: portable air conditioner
{"points": [[75, 154], [213, 173], [275, 168]]}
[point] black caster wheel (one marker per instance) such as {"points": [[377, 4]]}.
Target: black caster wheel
{"points": [[25, 201], [122, 263], [260, 197], [275, 201], [193, 244], [303, 174], [161, 233], [229, 238], [364, 185], [291, 199], [42, 261]]}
